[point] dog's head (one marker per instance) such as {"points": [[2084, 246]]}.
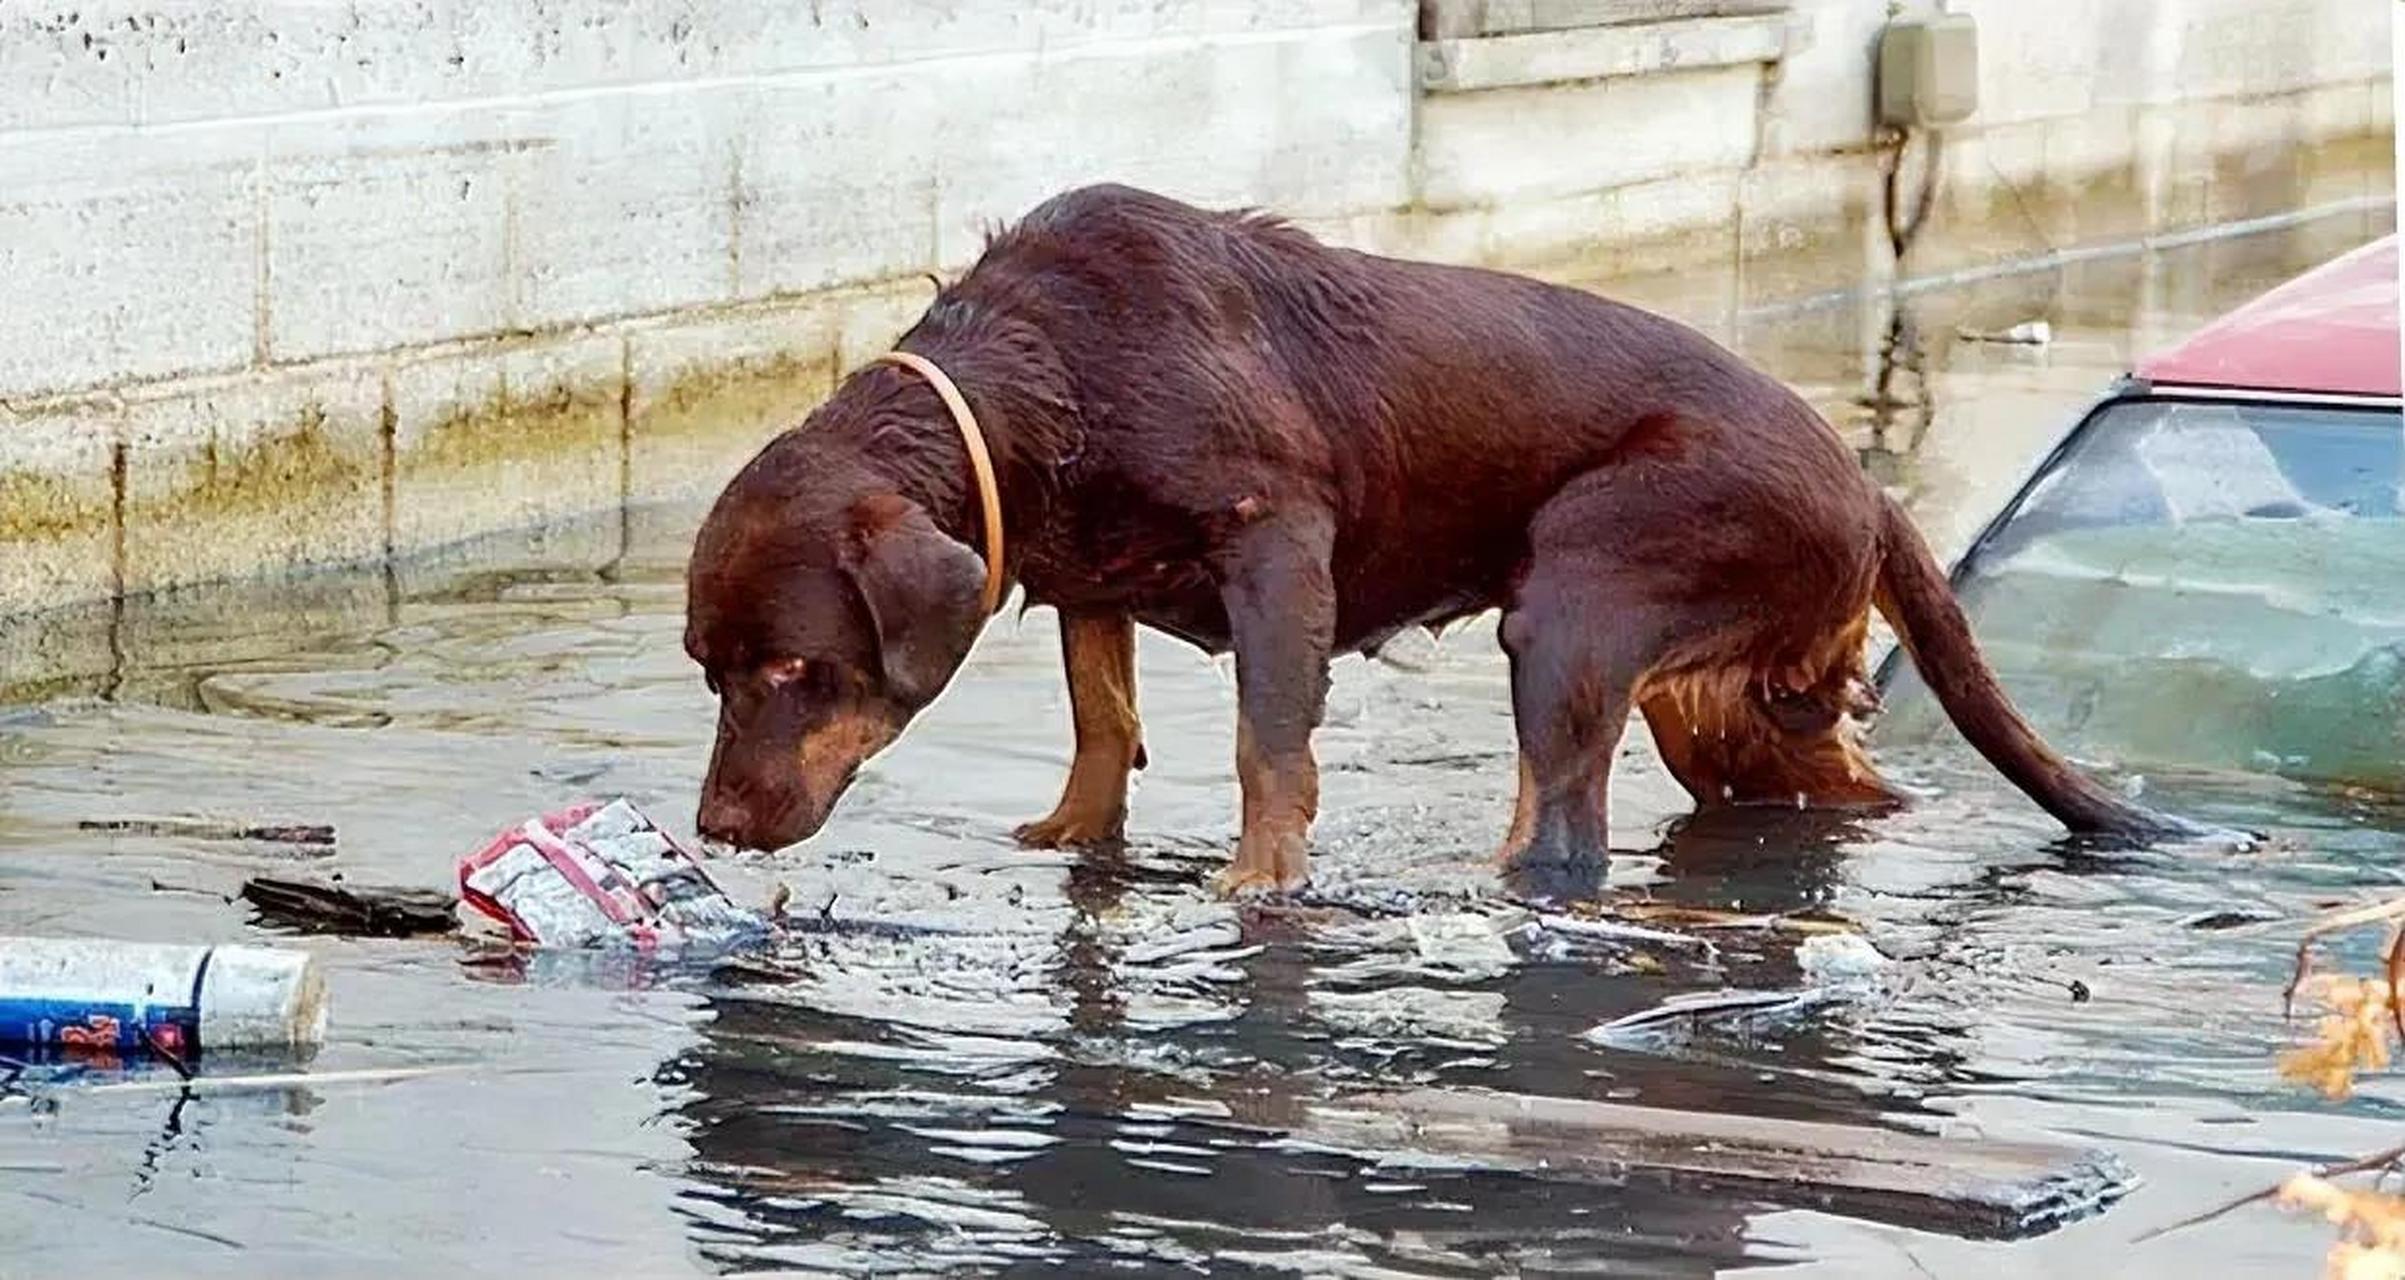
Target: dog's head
{"points": [[825, 610]]}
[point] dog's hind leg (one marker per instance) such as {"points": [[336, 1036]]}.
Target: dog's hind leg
{"points": [[1099, 652], [1597, 609], [1708, 595], [1571, 684]]}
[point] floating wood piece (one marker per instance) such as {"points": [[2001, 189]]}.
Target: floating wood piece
{"points": [[1973, 1187], [1685, 917], [313, 837], [1710, 1006], [315, 907], [1586, 927]]}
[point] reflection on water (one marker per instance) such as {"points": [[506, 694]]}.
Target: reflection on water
{"points": [[974, 1056]]}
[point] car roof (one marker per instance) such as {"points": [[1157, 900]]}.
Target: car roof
{"points": [[2332, 331]]}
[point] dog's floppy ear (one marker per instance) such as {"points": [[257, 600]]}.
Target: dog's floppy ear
{"points": [[923, 592]]}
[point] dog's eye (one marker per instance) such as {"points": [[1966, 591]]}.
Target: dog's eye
{"points": [[785, 672]]}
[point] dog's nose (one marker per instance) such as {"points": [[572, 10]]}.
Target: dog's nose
{"points": [[722, 821]]}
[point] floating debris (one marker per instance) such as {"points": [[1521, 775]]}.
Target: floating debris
{"points": [[311, 906], [1643, 1029], [1706, 918], [1467, 941], [1402, 1019], [311, 838], [601, 874], [107, 999], [2028, 333], [2215, 921], [1975, 1187], [1584, 927], [1839, 959]]}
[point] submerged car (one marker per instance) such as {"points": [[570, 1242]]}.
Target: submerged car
{"points": [[2208, 570]]}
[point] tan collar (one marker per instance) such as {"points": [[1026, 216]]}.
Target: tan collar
{"points": [[989, 494]]}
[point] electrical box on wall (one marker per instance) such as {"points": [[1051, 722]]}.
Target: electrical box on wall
{"points": [[1928, 71]]}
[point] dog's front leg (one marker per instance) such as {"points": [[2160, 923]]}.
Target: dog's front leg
{"points": [[1281, 607], [1099, 653]]}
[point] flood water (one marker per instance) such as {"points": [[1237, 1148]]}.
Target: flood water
{"points": [[991, 1059]]}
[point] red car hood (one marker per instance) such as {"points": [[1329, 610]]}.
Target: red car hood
{"points": [[2332, 330]]}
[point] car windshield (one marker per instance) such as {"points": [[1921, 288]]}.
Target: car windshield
{"points": [[2203, 583]]}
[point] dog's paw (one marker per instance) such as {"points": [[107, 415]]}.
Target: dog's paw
{"points": [[1251, 883], [1059, 830], [2152, 829], [1550, 871]]}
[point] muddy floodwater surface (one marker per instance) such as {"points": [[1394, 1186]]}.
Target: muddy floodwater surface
{"points": [[973, 1056]]}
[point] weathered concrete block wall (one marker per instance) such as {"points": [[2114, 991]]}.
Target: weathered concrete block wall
{"points": [[1744, 127], [286, 282], [201, 188]]}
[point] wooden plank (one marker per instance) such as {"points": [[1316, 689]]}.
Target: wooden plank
{"points": [[1963, 1186]]}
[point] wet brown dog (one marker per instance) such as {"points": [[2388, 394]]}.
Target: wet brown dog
{"points": [[1214, 425]]}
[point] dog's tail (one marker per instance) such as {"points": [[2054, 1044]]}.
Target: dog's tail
{"points": [[1917, 601]]}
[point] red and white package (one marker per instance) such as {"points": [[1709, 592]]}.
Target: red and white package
{"points": [[596, 875]]}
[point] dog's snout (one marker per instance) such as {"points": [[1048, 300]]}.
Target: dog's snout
{"points": [[723, 821]]}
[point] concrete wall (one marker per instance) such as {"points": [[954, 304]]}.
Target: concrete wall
{"points": [[1619, 147], [289, 282]]}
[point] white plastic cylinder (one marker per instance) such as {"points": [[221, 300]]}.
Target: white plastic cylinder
{"points": [[102, 994]]}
